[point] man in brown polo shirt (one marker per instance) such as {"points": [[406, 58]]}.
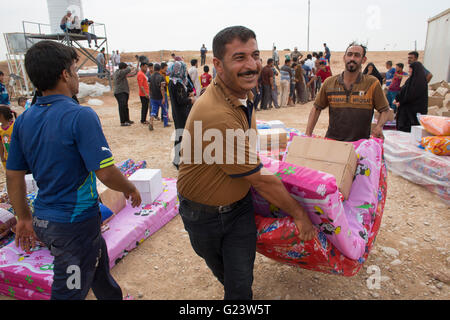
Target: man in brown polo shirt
{"points": [[351, 98], [217, 169], [267, 84]]}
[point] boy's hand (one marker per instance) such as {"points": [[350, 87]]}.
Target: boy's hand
{"points": [[25, 235]]}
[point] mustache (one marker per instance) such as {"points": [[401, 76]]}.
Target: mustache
{"points": [[248, 73], [351, 62]]}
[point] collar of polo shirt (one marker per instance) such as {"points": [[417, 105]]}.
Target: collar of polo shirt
{"points": [[229, 97], [341, 78]]}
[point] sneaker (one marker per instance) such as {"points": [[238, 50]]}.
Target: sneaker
{"points": [[125, 124], [130, 122]]}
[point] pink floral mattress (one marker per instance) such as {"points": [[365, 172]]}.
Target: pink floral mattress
{"points": [[346, 229], [29, 275]]}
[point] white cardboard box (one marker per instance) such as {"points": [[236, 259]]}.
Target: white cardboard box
{"points": [[149, 184], [276, 124], [417, 133], [31, 183]]}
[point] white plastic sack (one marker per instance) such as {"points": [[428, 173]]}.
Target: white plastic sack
{"points": [[95, 102], [417, 165], [92, 90]]}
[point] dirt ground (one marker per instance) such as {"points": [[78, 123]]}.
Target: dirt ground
{"points": [[415, 224]]}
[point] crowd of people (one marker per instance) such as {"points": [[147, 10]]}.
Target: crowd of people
{"points": [[300, 80]]}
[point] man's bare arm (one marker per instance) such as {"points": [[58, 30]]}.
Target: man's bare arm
{"points": [[25, 236], [312, 120], [115, 180], [273, 190]]}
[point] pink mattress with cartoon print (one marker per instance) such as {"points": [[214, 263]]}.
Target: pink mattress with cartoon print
{"points": [[346, 229], [29, 275]]}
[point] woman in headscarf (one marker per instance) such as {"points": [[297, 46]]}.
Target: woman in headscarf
{"points": [[373, 71], [181, 100], [413, 98]]}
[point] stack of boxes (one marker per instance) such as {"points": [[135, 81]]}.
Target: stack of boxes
{"points": [[439, 99]]}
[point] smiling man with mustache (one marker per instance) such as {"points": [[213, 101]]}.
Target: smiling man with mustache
{"points": [[215, 199], [352, 98]]}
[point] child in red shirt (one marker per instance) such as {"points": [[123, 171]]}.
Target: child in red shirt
{"points": [[205, 79]]}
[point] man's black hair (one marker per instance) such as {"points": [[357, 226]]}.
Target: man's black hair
{"points": [[414, 53], [21, 99], [355, 44], [194, 62], [270, 60], [157, 67], [45, 62], [227, 36], [150, 64], [400, 65], [1, 73], [389, 63], [163, 65], [314, 54], [206, 69], [122, 65], [309, 56]]}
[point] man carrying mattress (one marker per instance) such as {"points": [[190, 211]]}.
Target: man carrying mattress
{"points": [[215, 200], [63, 145], [351, 98]]}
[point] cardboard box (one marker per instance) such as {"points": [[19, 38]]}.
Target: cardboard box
{"points": [[417, 133], [272, 139], [149, 184], [446, 103], [436, 85], [114, 200], [334, 157], [276, 124], [441, 92], [433, 111], [436, 101]]}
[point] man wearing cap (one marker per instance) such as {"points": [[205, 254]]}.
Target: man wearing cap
{"points": [[214, 186]]}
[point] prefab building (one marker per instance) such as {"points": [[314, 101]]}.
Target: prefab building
{"points": [[437, 47]]}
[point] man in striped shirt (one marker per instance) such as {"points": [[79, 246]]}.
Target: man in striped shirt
{"points": [[351, 98]]}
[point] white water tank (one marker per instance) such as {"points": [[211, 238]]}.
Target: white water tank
{"points": [[57, 9]]}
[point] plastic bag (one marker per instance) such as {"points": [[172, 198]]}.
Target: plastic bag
{"points": [[439, 126], [439, 145]]}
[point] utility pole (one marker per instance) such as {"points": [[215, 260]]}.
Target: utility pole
{"points": [[309, 17]]}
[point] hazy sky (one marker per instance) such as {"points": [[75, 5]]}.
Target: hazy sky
{"points": [[148, 25]]}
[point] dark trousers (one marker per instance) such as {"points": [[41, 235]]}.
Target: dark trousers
{"points": [[144, 110], [124, 112], [203, 60], [256, 97], [292, 92], [227, 243], [81, 259], [266, 96]]}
